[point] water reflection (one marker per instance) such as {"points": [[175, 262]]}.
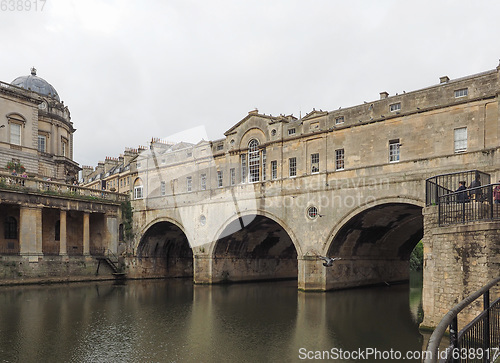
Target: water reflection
{"points": [[174, 321]]}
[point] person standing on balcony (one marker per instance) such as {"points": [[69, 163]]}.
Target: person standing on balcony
{"points": [[462, 194], [496, 194]]}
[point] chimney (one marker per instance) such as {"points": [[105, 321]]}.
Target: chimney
{"points": [[444, 79], [253, 112], [383, 95]]}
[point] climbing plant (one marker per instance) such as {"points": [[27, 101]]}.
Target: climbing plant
{"points": [[127, 220]]}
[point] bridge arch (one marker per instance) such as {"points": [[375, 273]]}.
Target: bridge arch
{"points": [[164, 250], [374, 242], [254, 246]]}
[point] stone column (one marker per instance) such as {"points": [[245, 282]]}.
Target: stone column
{"points": [[63, 249], [30, 232], [86, 233]]}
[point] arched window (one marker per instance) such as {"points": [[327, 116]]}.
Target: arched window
{"points": [[253, 161], [10, 228]]}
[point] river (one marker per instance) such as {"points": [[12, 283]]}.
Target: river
{"points": [[176, 321]]}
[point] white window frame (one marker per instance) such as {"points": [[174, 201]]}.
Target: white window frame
{"points": [[460, 139], [274, 169], [163, 188], [203, 181], [394, 151], [395, 107], [139, 192], [292, 167], [232, 176], [16, 138], [253, 161], [42, 143], [291, 131], [220, 179], [315, 163], [339, 120], [339, 159], [264, 161], [463, 92], [189, 183], [243, 159]]}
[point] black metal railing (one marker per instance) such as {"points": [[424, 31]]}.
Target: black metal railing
{"points": [[443, 184], [470, 205], [478, 341]]}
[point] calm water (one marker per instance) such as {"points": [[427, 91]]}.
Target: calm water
{"points": [[174, 321]]}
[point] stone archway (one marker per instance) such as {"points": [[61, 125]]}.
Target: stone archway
{"points": [[254, 247], [164, 251], [375, 245]]}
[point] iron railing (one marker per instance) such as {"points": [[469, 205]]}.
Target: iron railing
{"points": [[443, 184], [475, 204], [478, 341]]}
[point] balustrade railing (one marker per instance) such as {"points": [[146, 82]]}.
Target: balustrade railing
{"points": [[16, 182]]}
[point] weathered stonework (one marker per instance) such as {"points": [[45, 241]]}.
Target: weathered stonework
{"points": [[458, 261]]}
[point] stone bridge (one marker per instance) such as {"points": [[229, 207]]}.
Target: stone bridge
{"points": [[277, 192]]}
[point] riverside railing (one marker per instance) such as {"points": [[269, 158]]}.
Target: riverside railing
{"points": [[478, 341], [47, 187], [443, 184], [470, 205]]}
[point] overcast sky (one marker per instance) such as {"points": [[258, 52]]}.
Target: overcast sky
{"points": [[132, 70]]}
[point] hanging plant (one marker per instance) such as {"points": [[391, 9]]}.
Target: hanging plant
{"points": [[18, 167]]}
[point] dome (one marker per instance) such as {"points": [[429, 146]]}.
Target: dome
{"points": [[36, 84]]}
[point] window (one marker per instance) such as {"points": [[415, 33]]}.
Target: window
{"points": [[120, 232], [162, 188], [461, 92], [139, 165], [291, 131], [315, 163], [10, 228], [394, 150], [312, 212], [203, 182], [264, 157], [219, 178], [395, 107], [64, 148], [220, 147], [292, 167], [15, 134], [189, 154], [339, 159], [163, 160], [274, 170], [138, 192], [253, 161], [138, 189], [42, 143], [232, 176], [461, 139], [189, 183], [243, 168], [339, 120]]}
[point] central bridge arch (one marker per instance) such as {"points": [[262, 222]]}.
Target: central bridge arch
{"points": [[254, 246], [375, 242]]}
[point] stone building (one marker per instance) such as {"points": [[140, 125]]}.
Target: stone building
{"points": [[57, 227], [36, 130]]}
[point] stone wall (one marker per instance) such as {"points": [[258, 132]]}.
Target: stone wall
{"points": [[458, 260]]}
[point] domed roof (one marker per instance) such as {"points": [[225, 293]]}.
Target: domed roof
{"points": [[36, 84]]}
